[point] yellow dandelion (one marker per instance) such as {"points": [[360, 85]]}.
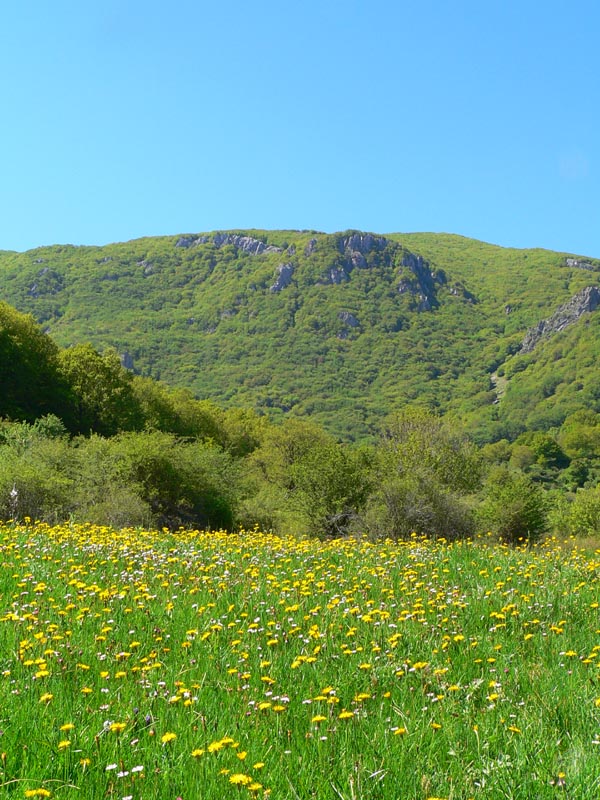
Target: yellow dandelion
{"points": [[68, 726], [64, 744], [45, 698], [38, 793], [239, 779], [319, 718], [345, 715], [197, 752], [214, 747], [168, 737], [118, 727]]}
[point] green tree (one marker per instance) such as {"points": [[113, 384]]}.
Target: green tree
{"points": [[104, 398], [513, 507]]}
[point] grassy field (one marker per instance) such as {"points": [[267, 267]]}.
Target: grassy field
{"points": [[149, 665]]}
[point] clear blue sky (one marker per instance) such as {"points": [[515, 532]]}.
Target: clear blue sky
{"points": [[123, 118]]}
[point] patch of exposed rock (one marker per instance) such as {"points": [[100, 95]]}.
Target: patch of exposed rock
{"points": [[423, 285], [190, 241], [585, 301], [362, 243], [284, 277], [246, 243], [310, 247], [580, 263]]}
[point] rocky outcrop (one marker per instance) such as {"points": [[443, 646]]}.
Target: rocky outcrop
{"points": [[356, 246], [362, 243], [284, 277], [310, 247], [349, 319], [423, 285], [246, 243], [583, 302], [580, 263], [190, 241]]}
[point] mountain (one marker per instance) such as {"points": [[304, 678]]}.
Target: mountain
{"points": [[343, 327]]}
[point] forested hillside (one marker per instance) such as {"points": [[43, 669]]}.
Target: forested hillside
{"points": [[342, 328]]}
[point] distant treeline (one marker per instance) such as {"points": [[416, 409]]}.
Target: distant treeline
{"points": [[82, 438]]}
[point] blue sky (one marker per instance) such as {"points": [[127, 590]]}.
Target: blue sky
{"points": [[123, 119]]}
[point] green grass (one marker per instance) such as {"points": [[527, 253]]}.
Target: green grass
{"points": [[325, 670]]}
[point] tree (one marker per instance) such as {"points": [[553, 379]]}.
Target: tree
{"points": [[332, 484], [425, 468], [104, 398], [514, 507]]}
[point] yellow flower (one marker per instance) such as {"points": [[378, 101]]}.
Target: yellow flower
{"points": [[45, 698], [118, 727], [197, 752], [64, 744], [345, 715], [239, 779], [68, 726], [38, 793], [168, 737], [319, 718]]}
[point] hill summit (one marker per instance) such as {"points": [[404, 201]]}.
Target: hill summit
{"points": [[344, 327]]}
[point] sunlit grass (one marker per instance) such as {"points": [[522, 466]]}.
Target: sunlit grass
{"points": [[146, 665]]}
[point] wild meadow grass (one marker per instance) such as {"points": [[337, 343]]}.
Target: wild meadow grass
{"points": [[142, 665]]}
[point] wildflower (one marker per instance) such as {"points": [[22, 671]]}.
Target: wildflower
{"points": [[64, 744], [345, 715], [117, 727], [168, 737], [38, 793], [67, 727], [45, 698], [197, 752], [319, 718], [239, 779]]}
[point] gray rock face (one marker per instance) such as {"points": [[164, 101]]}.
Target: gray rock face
{"points": [[310, 247], [246, 243], [284, 277], [585, 301], [424, 285], [362, 243], [578, 263], [191, 241], [349, 319], [337, 275]]}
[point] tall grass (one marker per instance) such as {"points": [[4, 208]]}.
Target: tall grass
{"points": [[144, 665]]}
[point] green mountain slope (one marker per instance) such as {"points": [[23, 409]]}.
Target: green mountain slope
{"points": [[345, 327]]}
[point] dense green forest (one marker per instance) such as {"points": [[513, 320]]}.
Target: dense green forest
{"points": [[84, 438], [342, 329]]}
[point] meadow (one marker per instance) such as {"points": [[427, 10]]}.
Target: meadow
{"points": [[142, 665]]}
